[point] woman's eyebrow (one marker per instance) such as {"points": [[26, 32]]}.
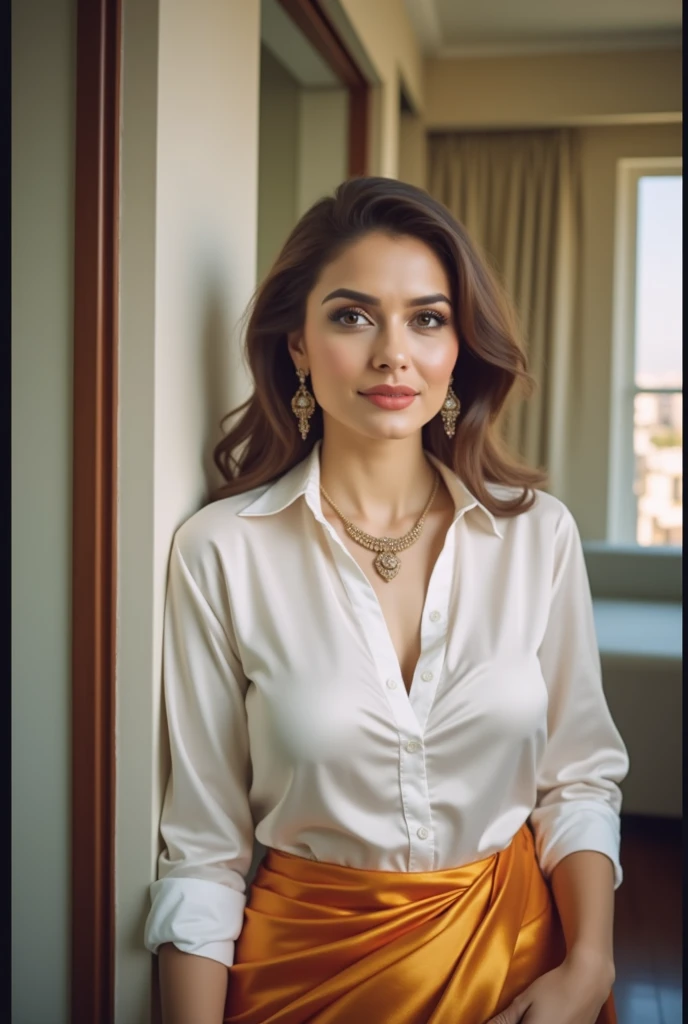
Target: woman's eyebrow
{"points": [[371, 300]]}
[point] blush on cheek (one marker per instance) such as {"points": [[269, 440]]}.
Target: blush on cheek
{"points": [[437, 370], [339, 365]]}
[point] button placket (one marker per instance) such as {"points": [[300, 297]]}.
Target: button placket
{"points": [[410, 715], [416, 804], [434, 631]]}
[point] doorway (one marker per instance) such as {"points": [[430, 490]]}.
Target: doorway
{"points": [[313, 118]]}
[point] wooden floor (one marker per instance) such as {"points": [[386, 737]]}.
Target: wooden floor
{"points": [[648, 923]]}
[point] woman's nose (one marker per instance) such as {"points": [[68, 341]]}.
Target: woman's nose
{"points": [[391, 346]]}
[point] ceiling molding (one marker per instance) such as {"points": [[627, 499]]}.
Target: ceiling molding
{"points": [[457, 124], [563, 44], [427, 25]]}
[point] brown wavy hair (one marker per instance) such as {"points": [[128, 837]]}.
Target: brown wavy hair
{"points": [[265, 443]]}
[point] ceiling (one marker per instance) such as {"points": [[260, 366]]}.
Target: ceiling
{"points": [[466, 28]]}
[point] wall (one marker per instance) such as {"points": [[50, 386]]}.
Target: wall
{"points": [[43, 123], [323, 144], [278, 154], [383, 32], [381, 39], [190, 77], [188, 255], [303, 135], [412, 150], [553, 90], [601, 149]]}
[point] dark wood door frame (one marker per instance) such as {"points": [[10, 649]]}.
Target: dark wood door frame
{"points": [[94, 511], [310, 18]]}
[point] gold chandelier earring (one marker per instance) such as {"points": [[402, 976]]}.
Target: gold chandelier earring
{"points": [[303, 405], [450, 410]]}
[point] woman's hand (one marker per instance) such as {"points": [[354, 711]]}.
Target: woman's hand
{"points": [[573, 993]]}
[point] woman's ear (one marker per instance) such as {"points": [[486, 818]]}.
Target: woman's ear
{"points": [[296, 346]]}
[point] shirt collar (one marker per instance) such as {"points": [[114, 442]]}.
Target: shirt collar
{"points": [[304, 479]]}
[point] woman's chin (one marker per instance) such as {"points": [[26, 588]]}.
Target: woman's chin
{"points": [[392, 425]]}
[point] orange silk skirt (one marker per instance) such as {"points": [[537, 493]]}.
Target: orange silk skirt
{"points": [[327, 944]]}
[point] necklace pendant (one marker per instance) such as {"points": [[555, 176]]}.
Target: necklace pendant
{"points": [[387, 564]]}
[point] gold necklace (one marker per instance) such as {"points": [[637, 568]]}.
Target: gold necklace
{"points": [[386, 563]]}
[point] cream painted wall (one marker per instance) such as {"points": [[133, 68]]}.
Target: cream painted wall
{"points": [[323, 144], [189, 195], [187, 268], [278, 155], [43, 122], [412, 150], [553, 90], [385, 33], [601, 149], [302, 152]]}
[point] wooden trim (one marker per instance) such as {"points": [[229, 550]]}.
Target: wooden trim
{"points": [[358, 131], [94, 510], [309, 17]]}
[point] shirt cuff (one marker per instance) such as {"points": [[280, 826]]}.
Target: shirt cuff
{"points": [[197, 916], [580, 828]]}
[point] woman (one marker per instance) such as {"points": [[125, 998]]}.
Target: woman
{"points": [[380, 659]]}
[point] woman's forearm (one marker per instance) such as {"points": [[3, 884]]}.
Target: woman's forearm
{"points": [[193, 988], [583, 889]]}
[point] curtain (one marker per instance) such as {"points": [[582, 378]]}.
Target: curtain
{"points": [[518, 195]]}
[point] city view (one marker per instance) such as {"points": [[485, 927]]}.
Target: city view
{"points": [[658, 404], [658, 443]]}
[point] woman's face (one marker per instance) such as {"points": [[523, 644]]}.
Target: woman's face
{"points": [[379, 314]]}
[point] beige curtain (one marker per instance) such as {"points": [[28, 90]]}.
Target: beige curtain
{"points": [[517, 194]]}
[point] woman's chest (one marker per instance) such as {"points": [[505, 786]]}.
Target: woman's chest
{"points": [[456, 632], [401, 598]]}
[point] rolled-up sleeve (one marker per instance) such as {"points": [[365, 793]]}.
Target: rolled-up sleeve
{"points": [[584, 758], [198, 899]]}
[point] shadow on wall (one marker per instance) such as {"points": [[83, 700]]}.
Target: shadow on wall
{"points": [[218, 391]]}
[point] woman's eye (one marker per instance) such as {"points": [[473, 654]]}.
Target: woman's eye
{"points": [[427, 316], [349, 317]]}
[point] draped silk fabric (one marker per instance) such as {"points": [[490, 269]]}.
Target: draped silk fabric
{"points": [[325, 943]]}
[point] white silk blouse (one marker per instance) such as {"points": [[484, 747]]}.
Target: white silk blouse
{"points": [[289, 720]]}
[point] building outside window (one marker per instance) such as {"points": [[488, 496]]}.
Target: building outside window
{"points": [[646, 496]]}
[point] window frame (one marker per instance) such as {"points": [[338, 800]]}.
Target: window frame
{"points": [[622, 502]]}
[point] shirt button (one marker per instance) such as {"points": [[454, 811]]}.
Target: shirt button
{"points": [[412, 746], [426, 677], [422, 832], [435, 616], [392, 684]]}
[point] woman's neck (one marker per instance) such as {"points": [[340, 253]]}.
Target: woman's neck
{"points": [[377, 484]]}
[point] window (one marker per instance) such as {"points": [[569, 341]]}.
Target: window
{"points": [[646, 457]]}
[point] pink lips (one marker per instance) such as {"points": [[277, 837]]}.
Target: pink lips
{"points": [[394, 401], [389, 389]]}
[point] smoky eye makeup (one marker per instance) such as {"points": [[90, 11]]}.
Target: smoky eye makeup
{"points": [[441, 319], [337, 315]]}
